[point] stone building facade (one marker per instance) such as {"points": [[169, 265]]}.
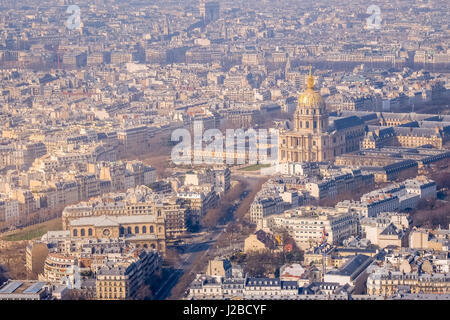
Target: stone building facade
{"points": [[313, 137]]}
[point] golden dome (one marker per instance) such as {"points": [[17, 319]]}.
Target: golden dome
{"points": [[310, 98]]}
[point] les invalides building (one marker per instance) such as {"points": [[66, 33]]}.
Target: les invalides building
{"points": [[314, 137]]}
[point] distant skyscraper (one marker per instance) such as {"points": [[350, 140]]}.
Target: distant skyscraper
{"points": [[209, 10]]}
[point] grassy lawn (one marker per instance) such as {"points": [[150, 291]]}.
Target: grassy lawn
{"points": [[35, 231], [255, 167]]}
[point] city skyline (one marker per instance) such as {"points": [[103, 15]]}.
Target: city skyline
{"points": [[224, 150]]}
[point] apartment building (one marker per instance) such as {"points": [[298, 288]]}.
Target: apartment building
{"points": [[26, 201], [264, 207], [9, 212], [198, 199], [386, 229], [133, 140], [175, 213], [219, 177], [122, 280], [388, 283], [213, 288], [370, 207], [57, 267], [307, 225], [420, 238]]}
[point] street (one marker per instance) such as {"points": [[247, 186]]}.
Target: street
{"points": [[190, 253], [200, 244]]}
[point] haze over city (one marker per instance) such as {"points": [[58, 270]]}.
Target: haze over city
{"points": [[224, 150]]}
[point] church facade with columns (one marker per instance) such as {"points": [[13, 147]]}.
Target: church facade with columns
{"points": [[313, 137]]}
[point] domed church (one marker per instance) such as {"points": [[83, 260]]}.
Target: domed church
{"points": [[314, 137]]}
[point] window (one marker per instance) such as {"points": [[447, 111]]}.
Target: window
{"points": [[152, 229], [75, 232], [129, 230], [89, 232], [136, 230], [144, 229], [307, 124], [82, 232]]}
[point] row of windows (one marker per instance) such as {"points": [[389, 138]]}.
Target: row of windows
{"points": [[110, 296], [110, 289], [122, 230], [82, 232], [136, 230], [313, 111], [112, 283], [295, 155]]}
